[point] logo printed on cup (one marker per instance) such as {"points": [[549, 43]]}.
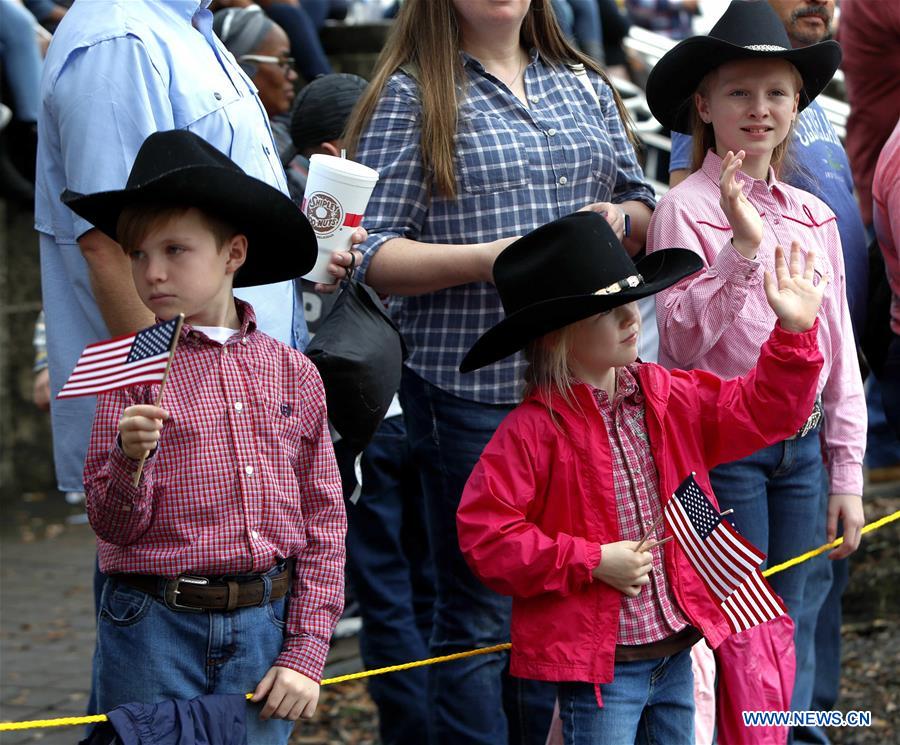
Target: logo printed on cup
{"points": [[324, 213]]}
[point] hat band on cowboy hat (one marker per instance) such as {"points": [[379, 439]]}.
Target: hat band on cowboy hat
{"points": [[747, 30], [180, 169], [566, 271]]}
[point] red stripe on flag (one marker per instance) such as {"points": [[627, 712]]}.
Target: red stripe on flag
{"points": [[117, 373], [689, 541], [710, 555]]}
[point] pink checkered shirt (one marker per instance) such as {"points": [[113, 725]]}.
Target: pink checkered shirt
{"points": [[243, 477], [718, 319], [654, 614]]}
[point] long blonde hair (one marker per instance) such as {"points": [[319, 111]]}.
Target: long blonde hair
{"points": [[547, 357], [425, 38], [704, 136]]}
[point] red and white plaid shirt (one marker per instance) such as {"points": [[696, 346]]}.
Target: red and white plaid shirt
{"points": [[244, 475], [654, 614]]}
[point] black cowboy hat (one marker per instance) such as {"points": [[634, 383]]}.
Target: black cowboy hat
{"points": [[179, 168], [747, 30], [564, 271]]}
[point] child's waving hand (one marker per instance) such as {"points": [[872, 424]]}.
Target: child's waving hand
{"points": [[792, 294], [746, 224]]}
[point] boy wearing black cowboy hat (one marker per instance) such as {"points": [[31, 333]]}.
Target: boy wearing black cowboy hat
{"points": [[225, 562], [555, 510]]}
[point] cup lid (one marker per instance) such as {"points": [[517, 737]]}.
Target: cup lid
{"points": [[343, 166]]}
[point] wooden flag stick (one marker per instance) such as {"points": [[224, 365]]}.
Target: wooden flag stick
{"points": [[162, 384], [650, 532]]}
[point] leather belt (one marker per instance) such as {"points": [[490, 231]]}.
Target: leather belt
{"points": [[815, 419], [191, 593], [683, 639]]}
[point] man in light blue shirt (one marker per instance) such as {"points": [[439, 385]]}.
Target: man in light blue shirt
{"points": [[117, 71]]}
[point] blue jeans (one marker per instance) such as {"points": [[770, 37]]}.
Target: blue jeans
{"points": [[474, 699], [390, 569], [890, 386], [778, 498], [882, 444], [147, 652], [648, 702]]}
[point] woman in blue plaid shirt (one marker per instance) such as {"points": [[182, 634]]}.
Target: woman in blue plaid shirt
{"points": [[483, 123]]}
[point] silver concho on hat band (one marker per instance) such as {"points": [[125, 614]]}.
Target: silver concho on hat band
{"points": [[634, 280], [765, 48]]}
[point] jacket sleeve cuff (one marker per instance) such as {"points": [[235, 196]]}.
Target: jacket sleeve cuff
{"points": [[304, 654], [593, 555], [808, 340]]}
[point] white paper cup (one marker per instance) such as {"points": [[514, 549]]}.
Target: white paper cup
{"points": [[337, 192]]}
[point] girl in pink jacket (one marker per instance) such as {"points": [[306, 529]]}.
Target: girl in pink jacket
{"points": [[555, 510]]}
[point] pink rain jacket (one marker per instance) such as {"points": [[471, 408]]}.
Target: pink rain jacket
{"points": [[538, 506]]}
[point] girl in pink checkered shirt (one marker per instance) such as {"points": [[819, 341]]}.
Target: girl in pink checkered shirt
{"points": [[738, 92]]}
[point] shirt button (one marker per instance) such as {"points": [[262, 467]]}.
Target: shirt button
{"points": [[266, 149], [224, 351], [534, 99], [248, 470], [551, 132], [243, 340], [218, 96], [254, 534], [238, 406], [563, 180], [777, 221]]}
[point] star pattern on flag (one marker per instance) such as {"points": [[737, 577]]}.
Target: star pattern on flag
{"points": [[700, 510], [152, 341]]}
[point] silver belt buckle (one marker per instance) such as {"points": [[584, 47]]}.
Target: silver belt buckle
{"points": [[173, 591], [814, 419]]}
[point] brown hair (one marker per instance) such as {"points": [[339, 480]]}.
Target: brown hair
{"points": [[425, 37], [138, 220], [704, 136]]}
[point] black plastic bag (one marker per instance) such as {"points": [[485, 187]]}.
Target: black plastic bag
{"points": [[359, 354]]}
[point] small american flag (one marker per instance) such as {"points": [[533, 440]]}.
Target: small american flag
{"points": [[727, 562], [123, 361]]}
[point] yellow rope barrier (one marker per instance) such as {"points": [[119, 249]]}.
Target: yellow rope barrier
{"points": [[828, 546], [66, 721]]}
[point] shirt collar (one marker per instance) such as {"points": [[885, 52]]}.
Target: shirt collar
{"points": [[627, 388], [469, 61], [712, 167], [246, 315]]}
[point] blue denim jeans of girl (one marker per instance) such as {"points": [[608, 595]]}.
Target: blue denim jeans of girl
{"points": [[474, 700], [147, 652], [778, 497], [649, 702]]}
